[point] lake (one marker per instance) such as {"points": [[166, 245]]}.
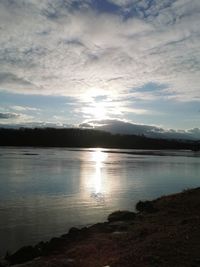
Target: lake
{"points": [[45, 191]]}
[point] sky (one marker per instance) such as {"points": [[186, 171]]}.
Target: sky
{"points": [[70, 63]]}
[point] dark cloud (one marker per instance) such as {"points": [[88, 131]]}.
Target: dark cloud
{"points": [[8, 115], [10, 78], [105, 6], [151, 87]]}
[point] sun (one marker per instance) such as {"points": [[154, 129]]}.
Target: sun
{"points": [[97, 104], [99, 111]]}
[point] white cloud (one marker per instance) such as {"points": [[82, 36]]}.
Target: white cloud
{"points": [[24, 108], [123, 3], [46, 48]]}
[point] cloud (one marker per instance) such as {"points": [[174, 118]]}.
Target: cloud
{"points": [[123, 3], [9, 115], [125, 127], [68, 47], [133, 59], [11, 80], [14, 118], [38, 124], [24, 108]]}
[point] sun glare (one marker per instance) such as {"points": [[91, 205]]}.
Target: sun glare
{"points": [[98, 157], [96, 111], [99, 111]]}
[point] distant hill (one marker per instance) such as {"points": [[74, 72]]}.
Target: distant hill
{"points": [[116, 126], [51, 137]]}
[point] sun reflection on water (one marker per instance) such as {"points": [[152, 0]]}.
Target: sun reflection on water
{"points": [[98, 157]]}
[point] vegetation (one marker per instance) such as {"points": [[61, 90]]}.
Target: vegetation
{"points": [[121, 216], [51, 137], [145, 206]]}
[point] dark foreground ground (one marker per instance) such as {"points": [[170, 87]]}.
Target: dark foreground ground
{"points": [[164, 232]]}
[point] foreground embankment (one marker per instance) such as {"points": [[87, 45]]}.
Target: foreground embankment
{"points": [[163, 232]]}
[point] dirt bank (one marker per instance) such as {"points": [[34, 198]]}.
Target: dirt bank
{"points": [[164, 232]]}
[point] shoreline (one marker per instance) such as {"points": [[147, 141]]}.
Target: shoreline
{"points": [[163, 232]]}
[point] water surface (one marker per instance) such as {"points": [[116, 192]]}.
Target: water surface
{"points": [[45, 191]]}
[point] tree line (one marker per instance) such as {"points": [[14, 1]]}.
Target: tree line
{"points": [[74, 137]]}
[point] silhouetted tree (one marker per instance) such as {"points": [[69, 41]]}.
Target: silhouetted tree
{"points": [[51, 137]]}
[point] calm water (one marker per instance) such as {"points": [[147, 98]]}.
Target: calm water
{"points": [[44, 192]]}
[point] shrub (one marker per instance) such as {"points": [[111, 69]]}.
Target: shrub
{"points": [[121, 216]]}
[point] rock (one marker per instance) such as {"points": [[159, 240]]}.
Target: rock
{"points": [[75, 234], [53, 245], [146, 206], [101, 228], [24, 254], [143, 233], [121, 216], [40, 246], [3, 262], [73, 231]]}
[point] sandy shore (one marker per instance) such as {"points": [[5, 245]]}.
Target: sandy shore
{"points": [[164, 232]]}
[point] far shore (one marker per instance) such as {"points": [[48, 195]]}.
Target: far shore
{"points": [[163, 232]]}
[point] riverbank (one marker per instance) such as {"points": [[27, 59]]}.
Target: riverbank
{"points": [[163, 232]]}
